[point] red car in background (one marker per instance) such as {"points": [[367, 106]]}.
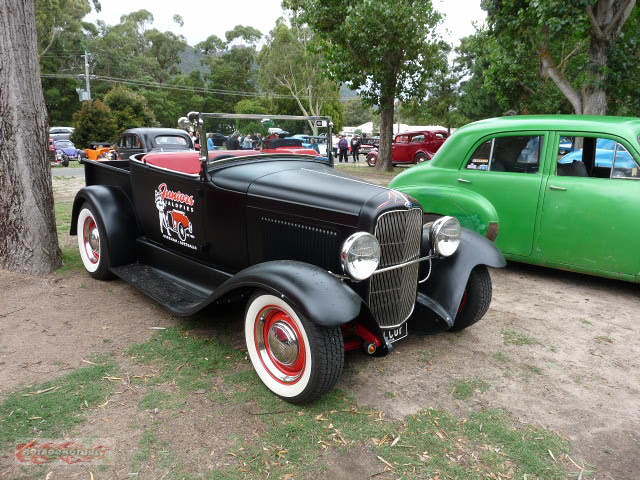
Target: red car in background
{"points": [[286, 145], [413, 147]]}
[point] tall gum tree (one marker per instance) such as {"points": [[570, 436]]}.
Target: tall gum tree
{"points": [[28, 239], [560, 31], [296, 72], [385, 49]]}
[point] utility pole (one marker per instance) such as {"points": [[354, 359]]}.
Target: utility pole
{"points": [[85, 95], [86, 75]]}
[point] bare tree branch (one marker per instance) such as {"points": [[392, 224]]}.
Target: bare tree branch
{"points": [[614, 28], [550, 69], [594, 23]]}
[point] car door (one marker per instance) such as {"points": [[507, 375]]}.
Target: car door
{"points": [[590, 218], [400, 148], [417, 143], [506, 170], [170, 206]]}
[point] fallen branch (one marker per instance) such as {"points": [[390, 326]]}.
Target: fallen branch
{"points": [[385, 462], [50, 389], [272, 413], [12, 311]]}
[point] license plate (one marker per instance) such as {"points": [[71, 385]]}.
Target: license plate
{"points": [[395, 334]]}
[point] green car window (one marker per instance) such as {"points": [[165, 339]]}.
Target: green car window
{"points": [[624, 165], [515, 154], [593, 157]]}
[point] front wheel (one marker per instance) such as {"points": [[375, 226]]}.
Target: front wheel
{"points": [[296, 359], [476, 299], [372, 159]]}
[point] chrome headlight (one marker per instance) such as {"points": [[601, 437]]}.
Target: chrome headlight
{"points": [[445, 236], [360, 255]]}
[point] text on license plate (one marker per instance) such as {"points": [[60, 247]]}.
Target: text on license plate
{"points": [[395, 334]]}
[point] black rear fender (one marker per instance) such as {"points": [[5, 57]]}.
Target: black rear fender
{"points": [[443, 292], [116, 212], [319, 296]]}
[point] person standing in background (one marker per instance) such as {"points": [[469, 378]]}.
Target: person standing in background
{"points": [[355, 148], [343, 149]]}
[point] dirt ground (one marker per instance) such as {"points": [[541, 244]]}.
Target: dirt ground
{"points": [[556, 349]]}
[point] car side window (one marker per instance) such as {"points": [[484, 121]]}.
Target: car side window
{"points": [[515, 154], [402, 139], [136, 142], [417, 139], [592, 157], [624, 165], [123, 141]]}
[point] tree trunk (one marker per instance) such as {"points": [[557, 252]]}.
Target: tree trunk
{"points": [[594, 97], [28, 242], [386, 133]]}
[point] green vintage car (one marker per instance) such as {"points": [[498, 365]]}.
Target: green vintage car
{"points": [[556, 190]]}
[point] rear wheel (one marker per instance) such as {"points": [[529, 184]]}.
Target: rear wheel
{"points": [[421, 157], [296, 359], [372, 159], [476, 299], [91, 243]]}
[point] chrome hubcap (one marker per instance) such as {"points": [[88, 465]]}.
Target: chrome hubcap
{"points": [[279, 345], [91, 236], [283, 343]]}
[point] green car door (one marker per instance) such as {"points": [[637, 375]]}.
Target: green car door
{"points": [[506, 169], [590, 217]]}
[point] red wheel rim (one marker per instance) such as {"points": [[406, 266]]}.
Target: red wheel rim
{"points": [[91, 239], [280, 344]]}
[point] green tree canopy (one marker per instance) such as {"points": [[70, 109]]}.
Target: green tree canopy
{"points": [[94, 122], [289, 66], [129, 109], [570, 42], [405, 54]]}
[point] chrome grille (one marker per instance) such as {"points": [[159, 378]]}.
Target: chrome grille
{"points": [[392, 294]]}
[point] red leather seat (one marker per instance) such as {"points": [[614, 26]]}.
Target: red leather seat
{"points": [[189, 162], [184, 162]]}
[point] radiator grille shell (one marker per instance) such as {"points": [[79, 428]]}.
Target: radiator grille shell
{"points": [[392, 294]]}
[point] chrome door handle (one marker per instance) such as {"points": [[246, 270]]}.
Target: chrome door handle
{"points": [[462, 180], [560, 189]]}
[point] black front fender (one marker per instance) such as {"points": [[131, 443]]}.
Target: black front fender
{"points": [[443, 292], [319, 296], [116, 212]]}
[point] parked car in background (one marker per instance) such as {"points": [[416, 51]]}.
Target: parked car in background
{"points": [[369, 144], [287, 145], [69, 149], [557, 190], [100, 151], [148, 139], [412, 147], [60, 133], [322, 262]]}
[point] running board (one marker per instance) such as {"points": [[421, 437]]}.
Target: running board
{"points": [[173, 294]]}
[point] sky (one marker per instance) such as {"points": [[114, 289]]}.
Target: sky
{"points": [[205, 17]]}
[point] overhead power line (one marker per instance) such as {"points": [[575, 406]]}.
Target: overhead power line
{"points": [[184, 88]]}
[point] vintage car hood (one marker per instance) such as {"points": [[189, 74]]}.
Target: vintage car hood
{"points": [[304, 183]]}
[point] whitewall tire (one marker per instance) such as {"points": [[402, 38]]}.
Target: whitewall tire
{"points": [[92, 243], [295, 359]]}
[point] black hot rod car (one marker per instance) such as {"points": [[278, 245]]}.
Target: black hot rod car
{"points": [[323, 261]]}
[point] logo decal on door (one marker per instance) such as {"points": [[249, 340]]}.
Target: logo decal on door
{"points": [[173, 215]]}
